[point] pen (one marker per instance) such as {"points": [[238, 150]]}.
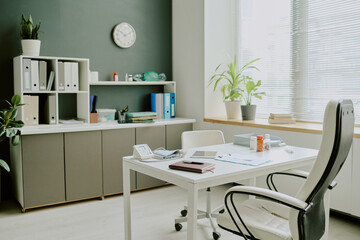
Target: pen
{"points": [[191, 162]]}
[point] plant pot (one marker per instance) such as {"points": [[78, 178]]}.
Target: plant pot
{"points": [[232, 109], [31, 47], [248, 112]]}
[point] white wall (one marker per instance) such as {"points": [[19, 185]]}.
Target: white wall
{"points": [[197, 49]]}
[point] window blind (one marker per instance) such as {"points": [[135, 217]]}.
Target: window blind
{"points": [[309, 53]]}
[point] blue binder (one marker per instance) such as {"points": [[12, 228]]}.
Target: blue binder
{"points": [[153, 102], [167, 114], [172, 105]]}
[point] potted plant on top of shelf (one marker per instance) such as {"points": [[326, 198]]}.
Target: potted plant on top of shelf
{"points": [[231, 90], [9, 127], [30, 37], [248, 111]]}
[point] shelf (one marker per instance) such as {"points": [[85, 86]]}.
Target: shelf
{"points": [[123, 83], [39, 92], [65, 92]]}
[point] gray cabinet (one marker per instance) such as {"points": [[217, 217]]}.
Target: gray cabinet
{"points": [[115, 145], [43, 169], [173, 134], [155, 138], [83, 165]]}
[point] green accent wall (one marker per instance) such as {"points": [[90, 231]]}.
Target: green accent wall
{"points": [[83, 28]]}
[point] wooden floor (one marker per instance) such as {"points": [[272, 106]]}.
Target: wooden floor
{"points": [[153, 218]]}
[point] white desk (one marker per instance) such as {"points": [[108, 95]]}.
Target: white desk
{"points": [[223, 173]]}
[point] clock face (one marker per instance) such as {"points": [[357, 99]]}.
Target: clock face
{"points": [[124, 35]]}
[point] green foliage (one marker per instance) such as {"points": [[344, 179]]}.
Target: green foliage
{"points": [[28, 30], [236, 81], [252, 90], [9, 127]]}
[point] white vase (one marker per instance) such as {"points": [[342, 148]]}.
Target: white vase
{"points": [[31, 47], [232, 109]]}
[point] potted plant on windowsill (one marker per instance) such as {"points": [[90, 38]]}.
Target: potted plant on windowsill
{"points": [[232, 90], [30, 37], [248, 111], [9, 127]]}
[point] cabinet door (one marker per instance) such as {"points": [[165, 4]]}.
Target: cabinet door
{"points": [[83, 165], [173, 135], [155, 138], [115, 145], [43, 169]]}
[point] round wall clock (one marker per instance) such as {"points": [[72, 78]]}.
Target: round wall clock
{"points": [[124, 35]]}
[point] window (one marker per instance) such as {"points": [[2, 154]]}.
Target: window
{"points": [[309, 50]]}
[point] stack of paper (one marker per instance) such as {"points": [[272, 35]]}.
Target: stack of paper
{"points": [[141, 117], [251, 160], [280, 118]]}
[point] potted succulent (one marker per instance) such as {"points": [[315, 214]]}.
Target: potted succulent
{"points": [[30, 37], [248, 111], [9, 127], [232, 90]]}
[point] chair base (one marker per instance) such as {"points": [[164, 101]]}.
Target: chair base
{"points": [[209, 214]]}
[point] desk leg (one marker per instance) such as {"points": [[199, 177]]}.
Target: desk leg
{"points": [[127, 207], [192, 211]]}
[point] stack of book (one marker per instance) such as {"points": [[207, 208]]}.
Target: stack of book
{"points": [[140, 117], [280, 118]]}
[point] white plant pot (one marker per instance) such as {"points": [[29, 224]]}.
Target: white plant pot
{"points": [[233, 109], [31, 47]]}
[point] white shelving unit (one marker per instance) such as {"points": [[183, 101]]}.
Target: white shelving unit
{"points": [[82, 96]]}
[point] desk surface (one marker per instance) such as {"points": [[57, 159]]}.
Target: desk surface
{"points": [[280, 160]]}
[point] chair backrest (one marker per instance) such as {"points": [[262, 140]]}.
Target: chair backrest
{"points": [[201, 138], [337, 136]]}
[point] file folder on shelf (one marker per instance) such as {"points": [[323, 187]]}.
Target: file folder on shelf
{"points": [[157, 104], [31, 110], [172, 105], [67, 76], [51, 81], [61, 76], [34, 75], [166, 105], [26, 74], [75, 76], [42, 75], [50, 110]]}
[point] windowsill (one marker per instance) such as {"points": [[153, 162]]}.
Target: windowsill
{"points": [[302, 127]]}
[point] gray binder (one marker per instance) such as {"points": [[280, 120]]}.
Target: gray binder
{"points": [[75, 76], [26, 74], [50, 110], [42, 75]]}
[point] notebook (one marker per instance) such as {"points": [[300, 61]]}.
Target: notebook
{"points": [[197, 167]]}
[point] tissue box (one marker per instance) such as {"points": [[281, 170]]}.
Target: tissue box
{"points": [[105, 115]]}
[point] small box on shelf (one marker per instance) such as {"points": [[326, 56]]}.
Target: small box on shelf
{"points": [[93, 117]]}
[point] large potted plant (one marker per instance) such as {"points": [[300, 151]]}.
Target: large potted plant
{"points": [[9, 127], [30, 37], [232, 90], [248, 111]]}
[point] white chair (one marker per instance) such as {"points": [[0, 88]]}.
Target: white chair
{"points": [[277, 216], [201, 138]]}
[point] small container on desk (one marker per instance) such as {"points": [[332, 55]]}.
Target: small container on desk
{"points": [[93, 117], [105, 115]]}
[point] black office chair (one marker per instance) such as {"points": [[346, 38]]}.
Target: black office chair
{"points": [[277, 216]]}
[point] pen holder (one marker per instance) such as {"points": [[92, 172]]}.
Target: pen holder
{"points": [[121, 117], [93, 118]]}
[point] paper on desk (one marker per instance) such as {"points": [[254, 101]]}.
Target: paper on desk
{"points": [[250, 160]]}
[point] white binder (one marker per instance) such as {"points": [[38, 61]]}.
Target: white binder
{"points": [[34, 75], [42, 75], [75, 76], [61, 76], [31, 110], [26, 74], [50, 110], [67, 76]]}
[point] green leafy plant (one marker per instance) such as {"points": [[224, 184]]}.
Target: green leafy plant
{"points": [[251, 90], [28, 30], [9, 127], [234, 78]]}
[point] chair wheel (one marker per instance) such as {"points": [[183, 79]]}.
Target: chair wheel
{"points": [[222, 211], [178, 226], [216, 235], [183, 213]]}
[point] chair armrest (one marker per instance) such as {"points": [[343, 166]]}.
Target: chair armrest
{"points": [[294, 173], [271, 195]]}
